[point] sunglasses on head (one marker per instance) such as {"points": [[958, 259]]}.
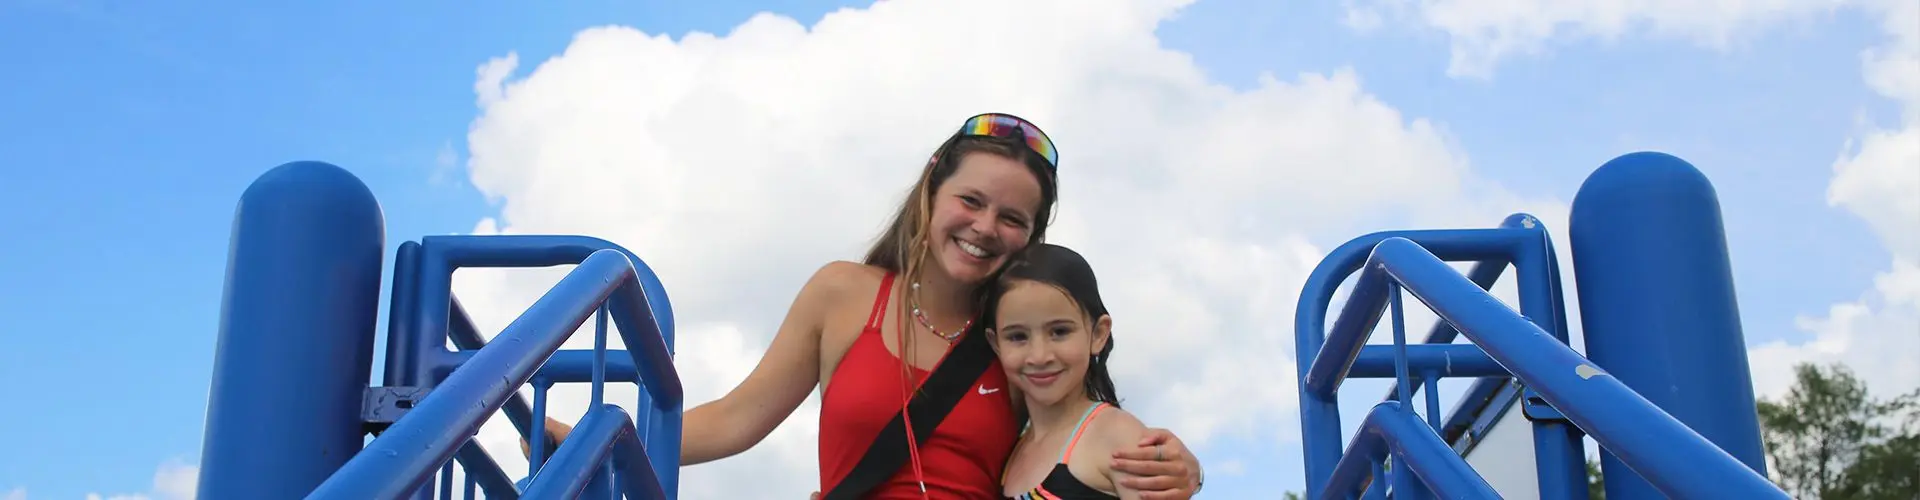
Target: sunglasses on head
{"points": [[1013, 127]]}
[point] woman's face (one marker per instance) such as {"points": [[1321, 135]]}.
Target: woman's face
{"points": [[982, 214], [1045, 342]]}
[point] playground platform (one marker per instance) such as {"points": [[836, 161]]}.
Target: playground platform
{"points": [[1662, 385]]}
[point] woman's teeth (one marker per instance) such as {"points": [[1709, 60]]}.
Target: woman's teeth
{"points": [[971, 249]]}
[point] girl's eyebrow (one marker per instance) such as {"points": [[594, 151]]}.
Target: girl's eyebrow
{"points": [[1052, 322]]}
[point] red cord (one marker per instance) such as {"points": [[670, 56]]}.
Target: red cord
{"points": [[913, 447], [913, 451]]}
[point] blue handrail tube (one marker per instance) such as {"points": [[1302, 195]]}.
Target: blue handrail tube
{"points": [[1391, 426], [466, 337], [605, 433], [1448, 360], [487, 473]]}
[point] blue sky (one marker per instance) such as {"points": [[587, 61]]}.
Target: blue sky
{"points": [[130, 128]]}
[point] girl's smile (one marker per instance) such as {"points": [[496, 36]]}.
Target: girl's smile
{"points": [[1041, 380]]}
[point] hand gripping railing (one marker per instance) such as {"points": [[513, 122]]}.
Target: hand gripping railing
{"points": [[1674, 458], [479, 382]]}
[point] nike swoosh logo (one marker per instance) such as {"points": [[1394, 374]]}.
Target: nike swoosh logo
{"points": [[985, 391]]}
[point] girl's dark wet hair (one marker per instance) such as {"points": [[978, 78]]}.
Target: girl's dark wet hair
{"points": [[1058, 266]]}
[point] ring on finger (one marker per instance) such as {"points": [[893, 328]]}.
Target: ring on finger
{"points": [[1158, 454]]}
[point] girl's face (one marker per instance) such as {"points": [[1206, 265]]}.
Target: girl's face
{"points": [[981, 214], [1045, 342]]}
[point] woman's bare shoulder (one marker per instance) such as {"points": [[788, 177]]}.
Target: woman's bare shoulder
{"points": [[845, 275], [841, 280]]}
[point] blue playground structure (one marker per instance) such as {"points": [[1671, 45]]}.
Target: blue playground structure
{"points": [[1664, 387], [291, 402]]}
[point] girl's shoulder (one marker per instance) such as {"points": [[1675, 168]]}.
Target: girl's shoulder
{"points": [[1113, 429], [1110, 430]]}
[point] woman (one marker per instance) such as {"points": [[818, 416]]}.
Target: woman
{"points": [[1053, 335], [858, 330]]}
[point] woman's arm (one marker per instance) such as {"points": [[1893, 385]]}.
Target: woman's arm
{"points": [[786, 374], [1159, 466]]}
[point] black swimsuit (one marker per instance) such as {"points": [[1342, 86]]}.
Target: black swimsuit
{"points": [[1060, 483]]}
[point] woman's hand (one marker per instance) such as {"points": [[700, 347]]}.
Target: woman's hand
{"points": [[556, 430], [1160, 466]]}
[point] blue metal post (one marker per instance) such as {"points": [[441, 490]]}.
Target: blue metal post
{"points": [[1657, 301], [1559, 454], [296, 334]]}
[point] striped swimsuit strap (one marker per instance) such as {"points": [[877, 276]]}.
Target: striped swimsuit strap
{"points": [[1040, 492]]}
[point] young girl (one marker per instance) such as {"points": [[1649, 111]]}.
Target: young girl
{"points": [[1052, 335]]}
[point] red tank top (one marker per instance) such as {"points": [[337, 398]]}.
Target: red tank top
{"points": [[964, 457]]}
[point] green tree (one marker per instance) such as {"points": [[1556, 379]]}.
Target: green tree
{"points": [[1596, 486], [1829, 439]]}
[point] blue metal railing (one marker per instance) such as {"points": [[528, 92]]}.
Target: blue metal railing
{"points": [[409, 452], [1521, 241], [290, 405], [1677, 460], [416, 354], [1671, 456]]}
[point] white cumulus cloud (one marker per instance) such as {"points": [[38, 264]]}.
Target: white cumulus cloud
{"points": [[737, 164], [1878, 179], [174, 480]]}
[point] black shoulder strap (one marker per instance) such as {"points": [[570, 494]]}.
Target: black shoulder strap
{"points": [[943, 389]]}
